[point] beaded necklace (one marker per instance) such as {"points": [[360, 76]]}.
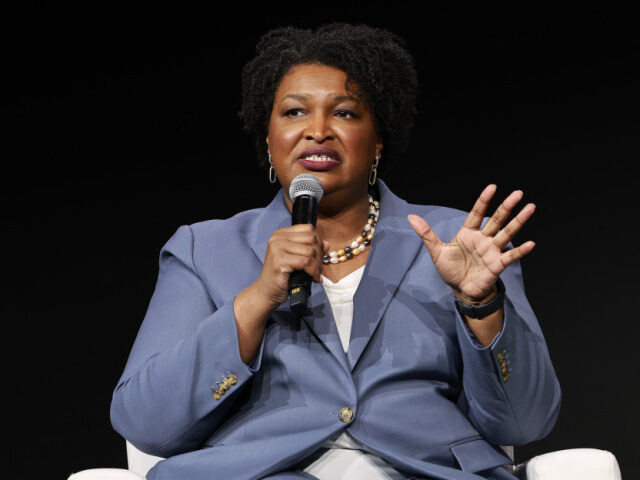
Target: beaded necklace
{"points": [[360, 243]]}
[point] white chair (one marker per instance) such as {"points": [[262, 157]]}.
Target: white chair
{"points": [[573, 464], [139, 464]]}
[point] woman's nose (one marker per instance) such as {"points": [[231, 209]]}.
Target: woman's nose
{"points": [[318, 128]]}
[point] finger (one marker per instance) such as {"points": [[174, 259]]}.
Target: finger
{"points": [[502, 213], [314, 269], [505, 235], [302, 249], [280, 247], [306, 238], [429, 237], [474, 219], [325, 246], [291, 262], [300, 227], [517, 253]]}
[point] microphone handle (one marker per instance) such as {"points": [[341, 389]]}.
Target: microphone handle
{"points": [[303, 210]]}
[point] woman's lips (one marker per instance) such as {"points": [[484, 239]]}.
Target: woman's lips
{"points": [[318, 163]]}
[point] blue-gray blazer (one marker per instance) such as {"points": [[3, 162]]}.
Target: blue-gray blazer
{"points": [[425, 396]]}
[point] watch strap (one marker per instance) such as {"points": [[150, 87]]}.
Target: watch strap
{"points": [[486, 309]]}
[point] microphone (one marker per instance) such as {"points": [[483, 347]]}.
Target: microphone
{"points": [[305, 192]]}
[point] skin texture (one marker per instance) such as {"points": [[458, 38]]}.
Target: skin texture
{"points": [[313, 108], [471, 263]]}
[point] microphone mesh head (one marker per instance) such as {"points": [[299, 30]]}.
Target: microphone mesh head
{"points": [[306, 184]]}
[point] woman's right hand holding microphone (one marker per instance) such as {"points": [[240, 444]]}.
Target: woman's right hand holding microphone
{"points": [[292, 248]]}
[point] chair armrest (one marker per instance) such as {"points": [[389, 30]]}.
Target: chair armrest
{"points": [[572, 464], [105, 474], [140, 462]]}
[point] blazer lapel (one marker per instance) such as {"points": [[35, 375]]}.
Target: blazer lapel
{"points": [[318, 317], [393, 250], [273, 217]]}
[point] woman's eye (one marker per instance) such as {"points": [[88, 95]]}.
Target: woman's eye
{"points": [[345, 114], [293, 112]]}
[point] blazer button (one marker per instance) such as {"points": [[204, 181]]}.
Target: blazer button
{"points": [[346, 414]]}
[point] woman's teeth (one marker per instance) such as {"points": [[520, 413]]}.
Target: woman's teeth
{"points": [[319, 158]]}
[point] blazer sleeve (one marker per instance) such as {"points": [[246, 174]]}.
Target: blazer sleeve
{"points": [[164, 403], [510, 390]]}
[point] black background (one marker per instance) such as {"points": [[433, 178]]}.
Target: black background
{"points": [[122, 126]]}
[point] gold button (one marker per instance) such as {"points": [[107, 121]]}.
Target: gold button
{"points": [[346, 414]]}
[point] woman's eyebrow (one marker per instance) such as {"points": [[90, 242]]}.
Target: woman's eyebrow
{"points": [[336, 98], [343, 98], [295, 96]]}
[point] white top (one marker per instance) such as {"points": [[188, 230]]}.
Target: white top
{"points": [[340, 295], [345, 458]]}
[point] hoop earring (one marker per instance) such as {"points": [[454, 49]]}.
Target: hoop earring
{"points": [[272, 172], [373, 174]]}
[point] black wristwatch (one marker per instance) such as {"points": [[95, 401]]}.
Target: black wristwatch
{"points": [[481, 311]]}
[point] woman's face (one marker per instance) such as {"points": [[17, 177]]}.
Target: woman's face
{"points": [[318, 127]]}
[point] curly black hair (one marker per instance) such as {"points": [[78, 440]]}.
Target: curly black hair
{"points": [[375, 59]]}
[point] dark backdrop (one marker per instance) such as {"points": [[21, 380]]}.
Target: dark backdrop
{"points": [[122, 126]]}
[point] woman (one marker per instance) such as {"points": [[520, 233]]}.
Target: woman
{"points": [[390, 373]]}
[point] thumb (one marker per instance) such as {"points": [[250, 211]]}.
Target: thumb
{"points": [[422, 228], [325, 246]]}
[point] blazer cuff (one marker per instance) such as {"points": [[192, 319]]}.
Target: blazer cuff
{"points": [[484, 357], [219, 337], [465, 332], [222, 331], [255, 364]]}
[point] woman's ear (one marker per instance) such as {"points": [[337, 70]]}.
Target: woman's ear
{"points": [[268, 145]]}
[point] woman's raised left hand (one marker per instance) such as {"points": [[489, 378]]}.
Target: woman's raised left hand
{"points": [[471, 263]]}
